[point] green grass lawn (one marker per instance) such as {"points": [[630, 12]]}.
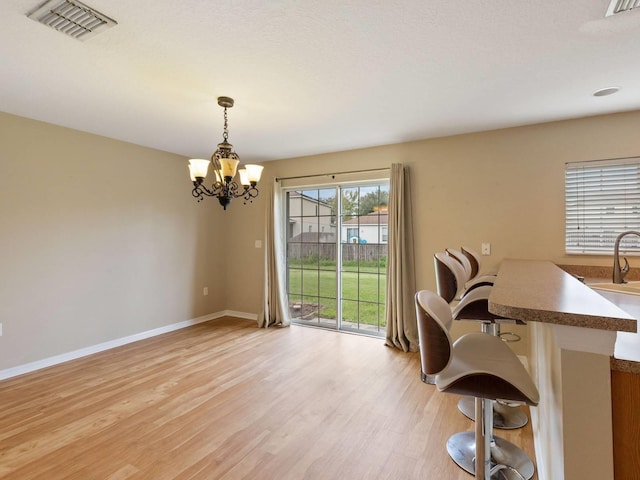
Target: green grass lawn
{"points": [[363, 292]]}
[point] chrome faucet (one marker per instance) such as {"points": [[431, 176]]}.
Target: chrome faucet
{"points": [[619, 273]]}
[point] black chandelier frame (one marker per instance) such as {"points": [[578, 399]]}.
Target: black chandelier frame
{"points": [[224, 187]]}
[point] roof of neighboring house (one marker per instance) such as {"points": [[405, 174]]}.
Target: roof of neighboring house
{"points": [[297, 194], [373, 218]]}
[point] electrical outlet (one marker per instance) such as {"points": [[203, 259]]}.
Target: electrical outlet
{"points": [[205, 291], [486, 249], [258, 243]]}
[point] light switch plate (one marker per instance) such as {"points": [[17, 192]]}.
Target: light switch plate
{"points": [[258, 244], [486, 249]]}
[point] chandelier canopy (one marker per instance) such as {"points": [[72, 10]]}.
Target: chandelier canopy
{"points": [[225, 165]]}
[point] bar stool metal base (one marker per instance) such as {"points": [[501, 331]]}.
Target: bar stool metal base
{"points": [[462, 449], [429, 379], [504, 416]]}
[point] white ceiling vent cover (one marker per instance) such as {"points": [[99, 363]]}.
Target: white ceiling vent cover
{"points": [[619, 6], [72, 18]]}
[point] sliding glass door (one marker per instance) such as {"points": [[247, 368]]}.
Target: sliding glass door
{"points": [[336, 256]]}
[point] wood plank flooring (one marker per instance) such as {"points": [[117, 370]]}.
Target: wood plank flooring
{"points": [[226, 400]]}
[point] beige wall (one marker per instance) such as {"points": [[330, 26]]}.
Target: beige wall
{"points": [[99, 240], [505, 187]]}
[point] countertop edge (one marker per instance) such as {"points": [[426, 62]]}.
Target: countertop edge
{"points": [[627, 366], [559, 298], [559, 318]]}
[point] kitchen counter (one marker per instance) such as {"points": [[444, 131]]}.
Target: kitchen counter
{"points": [[540, 292], [574, 332], [537, 291]]}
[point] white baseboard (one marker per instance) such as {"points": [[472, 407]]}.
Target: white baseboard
{"points": [[233, 313], [83, 352]]}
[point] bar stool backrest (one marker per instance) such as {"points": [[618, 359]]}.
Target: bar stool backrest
{"points": [[434, 322], [463, 260], [450, 277], [474, 260]]}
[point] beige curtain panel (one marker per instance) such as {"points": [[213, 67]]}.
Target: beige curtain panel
{"points": [[402, 327], [275, 309]]}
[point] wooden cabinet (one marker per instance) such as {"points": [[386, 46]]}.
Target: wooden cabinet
{"points": [[625, 403]]}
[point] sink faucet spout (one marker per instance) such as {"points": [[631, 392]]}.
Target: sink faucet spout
{"points": [[619, 273]]}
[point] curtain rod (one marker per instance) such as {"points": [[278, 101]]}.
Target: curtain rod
{"points": [[333, 175], [593, 160]]}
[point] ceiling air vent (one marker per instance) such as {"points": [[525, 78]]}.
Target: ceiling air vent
{"points": [[619, 6], [72, 18]]}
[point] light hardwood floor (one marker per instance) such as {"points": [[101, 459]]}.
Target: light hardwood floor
{"points": [[226, 400]]}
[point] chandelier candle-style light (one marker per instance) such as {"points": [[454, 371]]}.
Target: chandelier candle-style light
{"points": [[225, 164]]}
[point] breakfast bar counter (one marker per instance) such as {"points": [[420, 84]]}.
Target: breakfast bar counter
{"points": [[573, 336], [538, 291]]}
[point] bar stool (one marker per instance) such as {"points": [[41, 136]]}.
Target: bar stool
{"points": [[470, 263], [464, 261], [473, 258], [474, 306], [451, 278], [450, 285], [481, 366]]}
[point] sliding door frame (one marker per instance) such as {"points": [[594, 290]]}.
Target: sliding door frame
{"points": [[338, 213]]}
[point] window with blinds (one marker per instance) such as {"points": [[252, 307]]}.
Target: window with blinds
{"points": [[602, 200]]}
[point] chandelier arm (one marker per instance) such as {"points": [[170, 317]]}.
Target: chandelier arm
{"points": [[200, 189], [233, 190], [197, 193], [250, 192]]}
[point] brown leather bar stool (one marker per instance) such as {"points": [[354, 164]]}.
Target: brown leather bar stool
{"points": [[481, 366], [470, 262], [469, 270], [474, 306], [476, 262], [451, 278]]}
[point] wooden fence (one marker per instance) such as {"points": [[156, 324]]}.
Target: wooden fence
{"points": [[327, 251]]}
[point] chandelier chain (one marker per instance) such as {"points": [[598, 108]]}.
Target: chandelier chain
{"points": [[225, 132]]}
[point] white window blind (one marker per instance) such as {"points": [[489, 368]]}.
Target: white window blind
{"points": [[602, 200]]}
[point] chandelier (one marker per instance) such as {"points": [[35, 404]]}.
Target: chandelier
{"points": [[225, 164]]}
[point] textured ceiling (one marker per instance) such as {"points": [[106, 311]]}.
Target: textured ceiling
{"points": [[318, 76]]}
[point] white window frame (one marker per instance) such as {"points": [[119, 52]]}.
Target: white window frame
{"points": [[339, 324], [602, 200]]}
